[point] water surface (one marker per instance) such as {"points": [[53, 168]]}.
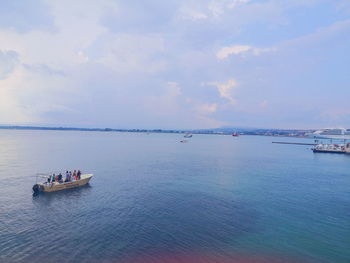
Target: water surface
{"points": [[153, 199]]}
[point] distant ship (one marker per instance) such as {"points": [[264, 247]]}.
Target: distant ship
{"points": [[331, 133], [235, 134], [188, 135]]}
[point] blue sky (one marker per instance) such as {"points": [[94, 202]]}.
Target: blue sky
{"points": [[175, 64]]}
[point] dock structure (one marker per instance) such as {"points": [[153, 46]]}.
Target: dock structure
{"points": [[324, 147], [296, 143], [329, 148]]}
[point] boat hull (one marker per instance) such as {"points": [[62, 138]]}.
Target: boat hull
{"points": [[328, 151], [85, 178]]}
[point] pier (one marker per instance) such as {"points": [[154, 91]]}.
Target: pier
{"points": [[324, 148], [297, 143]]}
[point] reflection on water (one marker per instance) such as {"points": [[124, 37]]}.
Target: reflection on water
{"points": [[152, 199]]}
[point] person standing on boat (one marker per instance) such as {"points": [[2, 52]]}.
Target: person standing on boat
{"points": [[70, 176], [49, 179], [79, 174], [75, 175], [67, 177], [60, 178], [53, 178]]}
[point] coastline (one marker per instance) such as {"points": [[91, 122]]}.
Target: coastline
{"points": [[216, 131]]}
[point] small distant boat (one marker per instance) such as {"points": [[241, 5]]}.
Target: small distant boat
{"points": [[184, 141], [56, 186], [235, 134], [188, 135]]}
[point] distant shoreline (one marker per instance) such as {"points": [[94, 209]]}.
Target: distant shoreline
{"points": [[3, 127], [217, 131]]}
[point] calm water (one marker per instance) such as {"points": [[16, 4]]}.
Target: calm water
{"points": [[153, 199]]}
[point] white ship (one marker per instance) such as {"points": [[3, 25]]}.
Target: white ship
{"points": [[331, 133]]}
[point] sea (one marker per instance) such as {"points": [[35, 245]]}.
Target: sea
{"points": [[215, 198]]}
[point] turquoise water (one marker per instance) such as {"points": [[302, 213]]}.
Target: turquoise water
{"points": [[153, 199]]}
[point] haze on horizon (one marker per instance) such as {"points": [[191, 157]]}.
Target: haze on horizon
{"points": [[175, 64]]}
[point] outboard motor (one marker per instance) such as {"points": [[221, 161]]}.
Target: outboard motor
{"points": [[37, 188]]}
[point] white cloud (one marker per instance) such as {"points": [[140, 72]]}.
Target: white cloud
{"points": [[225, 52], [343, 6], [234, 3], [173, 89], [29, 93], [191, 14], [204, 109], [51, 66], [172, 84], [208, 9], [225, 89], [131, 53], [320, 36], [264, 104], [8, 61], [218, 7], [39, 84], [81, 57], [117, 57], [165, 103]]}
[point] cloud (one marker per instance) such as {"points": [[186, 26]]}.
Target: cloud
{"points": [[343, 6], [165, 103], [204, 109], [12, 109], [203, 10], [335, 114], [225, 89], [24, 16], [225, 52], [218, 7], [234, 3], [9, 59], [192, 14], [116, 58], [140, 17], [43, 69], [81, 57], [131, 53], [173, 89], [264, 104], [321, 35], [33, 91]]}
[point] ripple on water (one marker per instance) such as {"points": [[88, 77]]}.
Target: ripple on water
{"points": [[209, 258], [163, 221], [156, 201]]}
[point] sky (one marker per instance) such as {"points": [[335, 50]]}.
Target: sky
{"points": [[175, 64]]}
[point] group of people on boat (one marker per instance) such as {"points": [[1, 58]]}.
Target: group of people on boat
{"points": [[70, 177]]}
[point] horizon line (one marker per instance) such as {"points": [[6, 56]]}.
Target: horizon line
{"points": [[142, 129]]}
